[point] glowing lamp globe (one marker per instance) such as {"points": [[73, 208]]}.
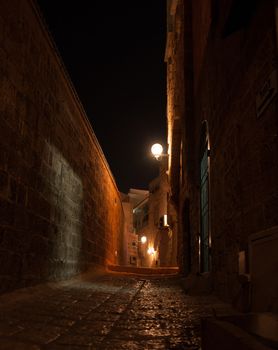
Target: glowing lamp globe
{"points": [[143, 239], [157, 150]]}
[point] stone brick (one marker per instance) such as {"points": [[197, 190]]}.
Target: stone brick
{"points": [[4, 183], [3, 157], [14, 241], [21, 194], [40, 205], [2, 26], [6, 212], [22, 218], [13, 190], [270, 211], [10, 263]]}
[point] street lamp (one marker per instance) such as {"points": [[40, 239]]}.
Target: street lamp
{"points": [[143, 239], [157, 151], [151, 251]]}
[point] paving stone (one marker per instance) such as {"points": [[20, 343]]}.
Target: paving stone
{"points": [[111, 312], [8, 329], [93, 328], [67, 347], [132, 345], [62, 322], [40, 334], [11, 344], [24, 317], [102, 315], [80, 340]]}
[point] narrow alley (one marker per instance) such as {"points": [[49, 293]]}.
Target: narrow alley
{"points": [[105, 311], [177, 179]]}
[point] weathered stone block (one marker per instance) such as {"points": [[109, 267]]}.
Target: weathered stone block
{"points": [[4, 183], [10, 263], [6, 212]]}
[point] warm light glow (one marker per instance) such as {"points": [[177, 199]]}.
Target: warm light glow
{"points": [[157, 150], [151, 251], [165, 220], [143, 239]]}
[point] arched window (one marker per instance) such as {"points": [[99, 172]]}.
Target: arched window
{"points": [[204, 200]]}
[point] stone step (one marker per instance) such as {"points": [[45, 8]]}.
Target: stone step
{"points": [[144, 270]]}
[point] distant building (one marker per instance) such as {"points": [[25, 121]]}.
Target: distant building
{"points": [[130, 238], [129, 244], [161, 220], [223, 145], [147, 217]]}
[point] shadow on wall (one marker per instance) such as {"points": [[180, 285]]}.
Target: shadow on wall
{"points": [[66, 199]]}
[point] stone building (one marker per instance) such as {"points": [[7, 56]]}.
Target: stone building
{"points": [[144, 232], [223, 145], [152, 219], [60, 209], [130, 237], [161, 219]]}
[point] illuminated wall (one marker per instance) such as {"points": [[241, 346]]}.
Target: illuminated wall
{"points": [[60, 209], [230, 86]]}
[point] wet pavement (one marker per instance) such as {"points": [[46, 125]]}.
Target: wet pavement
{"points": [[105, 311]]}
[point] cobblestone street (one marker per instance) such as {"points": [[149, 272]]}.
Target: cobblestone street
{"points": [[107, 311]]}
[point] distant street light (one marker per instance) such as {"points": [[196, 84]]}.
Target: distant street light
{"points": [[151, 251], [157, 151], [143, 239]]}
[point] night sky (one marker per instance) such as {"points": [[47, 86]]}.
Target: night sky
{"points": [[114, 53]]}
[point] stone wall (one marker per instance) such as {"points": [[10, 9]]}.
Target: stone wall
{"points": [[234, 55], [164, 238], [243, 160], [60, 210]]}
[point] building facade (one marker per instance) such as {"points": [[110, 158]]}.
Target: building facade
{"points": [[161, 220], [149, 223], [223, 145], [130, 241]]}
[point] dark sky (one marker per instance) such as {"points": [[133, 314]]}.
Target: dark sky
{"points": [[114, 53]]}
